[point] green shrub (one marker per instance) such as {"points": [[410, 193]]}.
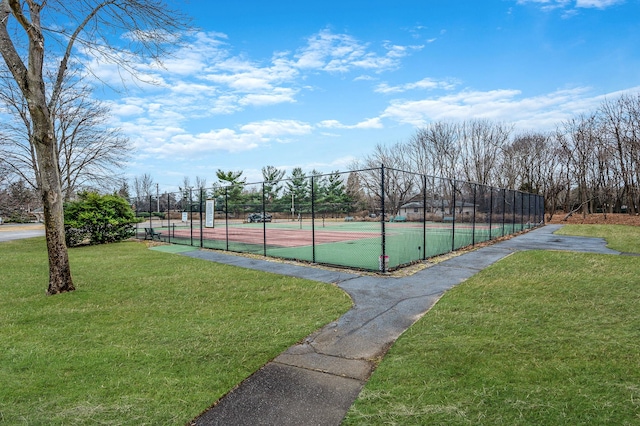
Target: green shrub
{"points": [[98, 219], [143, 214]]}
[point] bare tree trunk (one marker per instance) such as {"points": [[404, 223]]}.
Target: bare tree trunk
{"points": [[59, 269], [60, 280]]}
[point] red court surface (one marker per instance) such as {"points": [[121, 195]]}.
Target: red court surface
{"points": [[274, 236]]}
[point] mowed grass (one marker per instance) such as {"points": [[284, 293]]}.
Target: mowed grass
{"points": [[147, 337], [545, 338]]}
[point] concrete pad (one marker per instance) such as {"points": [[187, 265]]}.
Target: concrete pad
{"points": [[304, 356], [286, 396]]}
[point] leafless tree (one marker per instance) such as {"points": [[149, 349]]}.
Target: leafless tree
{"points": [[144, 188], [522, 161], [481, 146], [355, 191], [578, 137], [32, 40], [201, 189], [621, 121], [89, 151], [399, 185], [17, 200], [533, 162], [435, 150]]}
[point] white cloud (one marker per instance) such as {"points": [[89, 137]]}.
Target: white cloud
{"points": [[600, 4], [563, 4], [124, 110], [204, 48], [370, 123], [539, 112], [177, 143], [278, 96], [221, 139], [342, 53], [274, 128], [424, 84]]}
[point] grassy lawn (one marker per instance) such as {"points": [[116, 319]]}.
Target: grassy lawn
{"points": [[538, 338], [148, 337]]}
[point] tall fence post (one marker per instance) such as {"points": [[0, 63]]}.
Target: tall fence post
{"points": [[226, 215], [191, 215], [504, 208], [473, 226], [453, 215], [383, 257], [169, 216], [264, 224], [200, 208], [513, 221], [313, 220], [490, 211], [521, 211], [424, 217]]}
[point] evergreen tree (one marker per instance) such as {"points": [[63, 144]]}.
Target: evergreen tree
{"points": [[335, 197], [298, 187], [232, 189], [272, 187]]}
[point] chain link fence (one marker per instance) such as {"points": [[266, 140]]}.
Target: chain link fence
{"points": [[374, 219]]}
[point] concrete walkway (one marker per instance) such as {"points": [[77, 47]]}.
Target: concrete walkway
{"points": [[315, 382]]}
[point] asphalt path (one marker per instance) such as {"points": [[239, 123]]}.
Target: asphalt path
{"points": [[10, 232]]}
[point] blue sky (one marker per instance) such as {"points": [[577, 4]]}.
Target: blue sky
{"points": [[317, 84]]}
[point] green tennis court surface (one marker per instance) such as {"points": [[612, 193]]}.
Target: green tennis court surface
{"points": [[358, 244]]}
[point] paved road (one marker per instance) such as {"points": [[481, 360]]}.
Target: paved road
{"points": [[9, 232]]}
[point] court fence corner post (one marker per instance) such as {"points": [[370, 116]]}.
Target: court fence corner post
{"points": [[264, 225], [384, 258], [200, 213], [313, 221]]}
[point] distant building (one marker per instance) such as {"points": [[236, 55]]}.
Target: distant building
{"points": [[39, 214], [436, 209]]}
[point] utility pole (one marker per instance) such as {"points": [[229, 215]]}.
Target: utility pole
{"points": [[157, 198]]}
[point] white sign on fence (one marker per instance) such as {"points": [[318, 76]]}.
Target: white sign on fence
{"points": [[185, 216], [210, 209]]}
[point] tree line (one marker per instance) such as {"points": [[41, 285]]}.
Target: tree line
{"points": [[277, 192], [589, 163]]}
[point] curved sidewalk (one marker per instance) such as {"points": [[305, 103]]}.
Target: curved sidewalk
{"points": [[315, 382]]}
